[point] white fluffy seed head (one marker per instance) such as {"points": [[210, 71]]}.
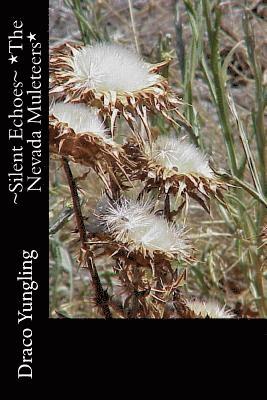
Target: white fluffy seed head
{"points": [[125, 218], [131, 221], [111, 67], [209, 309], [79, 117], [171, 152]]}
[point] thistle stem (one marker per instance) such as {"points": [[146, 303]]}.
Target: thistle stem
{"points": [[101, 295]]}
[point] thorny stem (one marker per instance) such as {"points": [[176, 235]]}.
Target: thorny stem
{"points": [[167, 207], [135, 299], [100, 294]]}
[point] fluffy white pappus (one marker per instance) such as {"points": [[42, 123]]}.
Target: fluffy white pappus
{"points": [[134, 222], [172, 152], [126, 217], [209, 309], [111, 67], [79, 117]]}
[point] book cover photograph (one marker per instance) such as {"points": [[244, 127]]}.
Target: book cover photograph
{"points": [[137, 163]]}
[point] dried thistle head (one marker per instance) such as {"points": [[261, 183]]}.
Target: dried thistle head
{"points": [[179, 155], [108, 67], [134, 224], [113, 79], [143, 245], [208, 309], [80, 118], [77, 131], [177, 167]]}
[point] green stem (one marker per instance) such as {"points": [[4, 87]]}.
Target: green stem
{"points": [[216, 69]]}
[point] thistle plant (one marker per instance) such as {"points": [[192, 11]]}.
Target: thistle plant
{"points": [[136, 240]]}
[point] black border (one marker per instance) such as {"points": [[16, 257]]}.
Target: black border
{"points": [[27, 222]]}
